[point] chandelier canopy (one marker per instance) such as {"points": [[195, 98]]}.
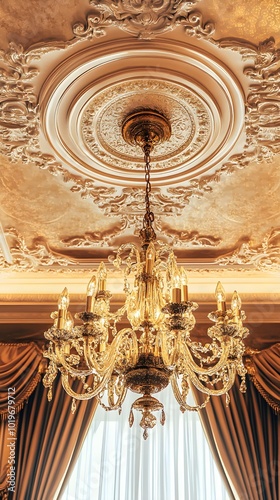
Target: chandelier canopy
{"points": [[156, 349]]}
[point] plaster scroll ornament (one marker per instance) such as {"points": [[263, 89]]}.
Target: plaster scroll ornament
{"points": [[37, 256], [144, 19], [265, 257]]}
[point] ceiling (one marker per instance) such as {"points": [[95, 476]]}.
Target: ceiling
{"points": [[71, 188]]}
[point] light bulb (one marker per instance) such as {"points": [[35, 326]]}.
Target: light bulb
{"points": [[235, 303], [69, 322], [184, 284], [176, 285], [63, 301], [91, 294], [221, 297], [91, 287], [102, 276]]}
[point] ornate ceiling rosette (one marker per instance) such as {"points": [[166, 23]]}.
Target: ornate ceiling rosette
{"points": [[83, 106]]}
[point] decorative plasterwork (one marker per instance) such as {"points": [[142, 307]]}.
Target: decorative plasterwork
{"points": [[144, 19], [30, 258], [20, 118], [82, 115], [39, 256], [265, 257], [189, 116]]}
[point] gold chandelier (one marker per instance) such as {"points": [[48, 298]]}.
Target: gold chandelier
{"points": [[156, 349]]}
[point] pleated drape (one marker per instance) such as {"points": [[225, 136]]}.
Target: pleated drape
{"points": [[245, 435], [49, 439], [264, 371], [19, 376], [19, 369], [48, 436]]}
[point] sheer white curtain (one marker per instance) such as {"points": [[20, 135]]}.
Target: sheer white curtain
{"points": [[175, 462]]}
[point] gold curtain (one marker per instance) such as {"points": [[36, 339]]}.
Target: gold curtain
{"points": [[245, 435], [49, 438], [19, 377], [265, 373]]}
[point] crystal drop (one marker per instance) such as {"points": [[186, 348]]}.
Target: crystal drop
{"points": [[73, 406], [131, 418], [243, 387], [49, 395], [227, 399], [162, 420], [145, 434]]}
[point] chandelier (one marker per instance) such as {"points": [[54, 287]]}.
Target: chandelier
{"points": [[97, 358]]}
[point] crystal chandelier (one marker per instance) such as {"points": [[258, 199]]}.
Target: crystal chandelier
{"points": [[156, 348]]}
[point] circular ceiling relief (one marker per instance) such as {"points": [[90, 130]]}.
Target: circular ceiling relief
{"points": [[101, 125], [86, 99]]}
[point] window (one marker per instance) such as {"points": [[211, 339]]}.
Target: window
{"points": [[174, 463]]}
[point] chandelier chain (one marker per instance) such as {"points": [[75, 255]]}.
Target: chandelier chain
{"points": [[149, 215]]}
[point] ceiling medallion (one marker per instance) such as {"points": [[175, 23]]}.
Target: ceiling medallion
{"points": [[189, 114], [200, 97]]}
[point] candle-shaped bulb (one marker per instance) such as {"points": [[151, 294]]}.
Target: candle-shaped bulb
{"points": [[63, 301], [235, 303], [150, 257], [221, 297], [69, 322], [102, 276], [184, 284], [91, 288], [176, 285]]}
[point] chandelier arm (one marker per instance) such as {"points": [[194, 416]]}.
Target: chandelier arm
{"points": [[110, 357], [133, 251], [180, 399], [87, 395], [107, 361], [60, 361], [183, 348], [116, 316], [214, 392], [75, 372]]}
